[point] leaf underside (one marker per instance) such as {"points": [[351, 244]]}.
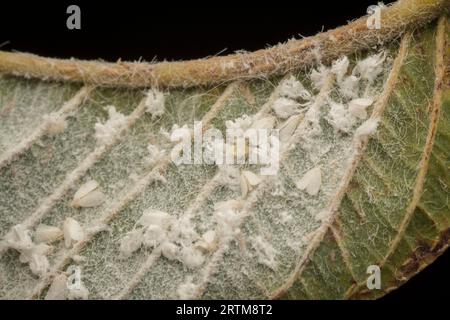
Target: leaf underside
{"points": [[394, 210]]}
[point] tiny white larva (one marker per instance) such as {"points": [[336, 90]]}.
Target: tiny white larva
{"points": [[88, 195]]}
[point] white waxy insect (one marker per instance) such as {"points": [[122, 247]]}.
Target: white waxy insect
{"points": [[27, 255], [169, 250], [370, 67], [155, 154], [88, 195], [73, 232], [284, 107], [311, 181], [289, 126], [208, 241], [228, 217], [339, 68], [131, 242], [349, 87], [154, 235], [106, 133], [154, 102], [47, 234], [294, 89], [248, 181], [319, 76], [34, 254], [340, 118], [366, 129], [18, 238], [55, 124], [191, 257], [357, 107], [155, 217], [38, 263], [244, 122]]}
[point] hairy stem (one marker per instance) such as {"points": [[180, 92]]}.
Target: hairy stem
{"points": [[280, 59]]}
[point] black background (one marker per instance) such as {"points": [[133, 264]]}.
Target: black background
{"points": [[133, 30]]}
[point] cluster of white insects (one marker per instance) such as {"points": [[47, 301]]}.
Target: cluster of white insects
{"points": [[177, 238]]}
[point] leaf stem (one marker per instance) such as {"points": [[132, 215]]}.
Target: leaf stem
{"points": [[277, 60]]}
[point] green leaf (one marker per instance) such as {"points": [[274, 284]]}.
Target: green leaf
{"points": [[383, 198]]}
